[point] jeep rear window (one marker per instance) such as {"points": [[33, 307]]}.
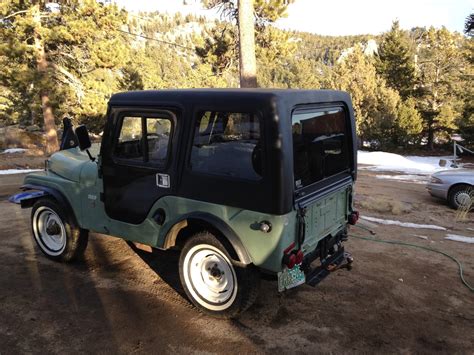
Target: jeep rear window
{"points": [[320, 144], [227, 144]]}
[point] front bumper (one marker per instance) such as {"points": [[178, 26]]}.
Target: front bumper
{"points": [[438, 190]]}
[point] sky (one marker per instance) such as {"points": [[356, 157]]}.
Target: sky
{"points": [[341, 17]]}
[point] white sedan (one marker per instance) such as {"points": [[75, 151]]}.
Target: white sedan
{"points": [[456, 186]]}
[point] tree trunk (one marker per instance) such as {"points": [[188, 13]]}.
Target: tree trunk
{"points": [[248, 63], [430, 138], [42, 67]]}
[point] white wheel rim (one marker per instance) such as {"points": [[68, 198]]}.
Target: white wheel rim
{"points": [[210, 277], [49, 231]]}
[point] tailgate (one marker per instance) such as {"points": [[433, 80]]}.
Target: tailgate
{"points": [[326, 215]]}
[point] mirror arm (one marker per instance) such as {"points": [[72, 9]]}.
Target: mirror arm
{"points": [[90, 156]]}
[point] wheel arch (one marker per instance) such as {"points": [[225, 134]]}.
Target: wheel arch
{"points": [[53, 193], [192, 223]]}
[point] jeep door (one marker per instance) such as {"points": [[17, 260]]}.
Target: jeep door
{"points": [[138, 161]]}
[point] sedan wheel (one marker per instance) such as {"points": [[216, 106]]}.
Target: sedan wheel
{"points": [[461, 197]]}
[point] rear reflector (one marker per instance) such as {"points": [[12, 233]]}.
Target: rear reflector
{"points": [[353, 217]]}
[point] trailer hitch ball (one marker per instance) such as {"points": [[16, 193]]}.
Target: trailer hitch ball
{"points": [[349, 261]]}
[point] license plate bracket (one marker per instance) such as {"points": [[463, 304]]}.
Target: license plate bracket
{"points": [[289, 278]]}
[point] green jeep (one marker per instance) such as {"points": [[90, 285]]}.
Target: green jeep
{"points": [[243, 182]]}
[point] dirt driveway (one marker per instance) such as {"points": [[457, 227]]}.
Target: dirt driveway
{"points": [[120, 300]]}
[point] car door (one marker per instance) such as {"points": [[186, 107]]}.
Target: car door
{"points": [[138, 165]]}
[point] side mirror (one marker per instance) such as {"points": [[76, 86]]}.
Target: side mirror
{"points": [[84, 140], [83, 137]]}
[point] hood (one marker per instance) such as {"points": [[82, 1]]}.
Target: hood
{"points": [[68, 163], [455, 172]]}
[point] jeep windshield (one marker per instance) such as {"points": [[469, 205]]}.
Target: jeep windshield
{"points": [[320, 144]]}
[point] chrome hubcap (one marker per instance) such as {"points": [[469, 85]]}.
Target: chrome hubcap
{"points": [[49, 231], [463, 199]]}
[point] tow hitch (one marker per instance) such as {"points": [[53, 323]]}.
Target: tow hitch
{"points": [[339, 260]]}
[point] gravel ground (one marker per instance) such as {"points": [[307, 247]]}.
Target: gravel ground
{"points": [[123, 300]]}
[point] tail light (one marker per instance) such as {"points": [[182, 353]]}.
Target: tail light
{"points": [[299, 257], [292, 257], [289, 260], [353, 217]]}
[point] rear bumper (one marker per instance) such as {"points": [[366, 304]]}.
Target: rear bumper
{"points": [[325, 248], [331, 255], [336, 261]]}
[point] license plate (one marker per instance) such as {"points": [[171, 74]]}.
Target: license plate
{"points": [[290, 278]]}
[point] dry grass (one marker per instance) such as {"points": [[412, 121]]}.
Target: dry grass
{"points": [[462, 213], [384, 205]]}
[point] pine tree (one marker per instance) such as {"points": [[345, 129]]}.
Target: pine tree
{"points": [[441, 68], [469, 25], [409, 123], [246, 13], [396, 61], [59, 59], [247, 60]]}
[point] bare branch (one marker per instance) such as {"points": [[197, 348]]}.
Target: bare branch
{"points": [[14, 14]]}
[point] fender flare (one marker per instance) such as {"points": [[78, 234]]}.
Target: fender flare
{"points": [[59, 196], [217, 223]]}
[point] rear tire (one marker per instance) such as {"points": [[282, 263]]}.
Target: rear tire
{"points": [[461, 196], [55, 233], [212, 280]]}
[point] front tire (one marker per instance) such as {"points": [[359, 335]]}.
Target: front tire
{"points": [[55, 234], [461, 197], [212, 281]]}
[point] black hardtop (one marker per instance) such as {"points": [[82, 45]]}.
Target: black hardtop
{"points": [[274, 193], [185, 97]]}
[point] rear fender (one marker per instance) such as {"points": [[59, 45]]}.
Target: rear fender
{"points": [[218, 224]]}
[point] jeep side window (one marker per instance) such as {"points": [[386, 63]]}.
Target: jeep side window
{"points": [[227, 144], [158, 138], [144, 139], [128, 146]]}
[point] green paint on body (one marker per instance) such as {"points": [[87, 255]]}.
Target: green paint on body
{"points": [[82, 187]]}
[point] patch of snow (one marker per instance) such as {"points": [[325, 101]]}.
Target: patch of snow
{"points": [[14, 150], [460, 238], [382, 161], [416, 179], [17, 171], [470, 229], [402, 224]]}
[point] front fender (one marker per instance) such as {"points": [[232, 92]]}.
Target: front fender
{"points": [[52, 185]]}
